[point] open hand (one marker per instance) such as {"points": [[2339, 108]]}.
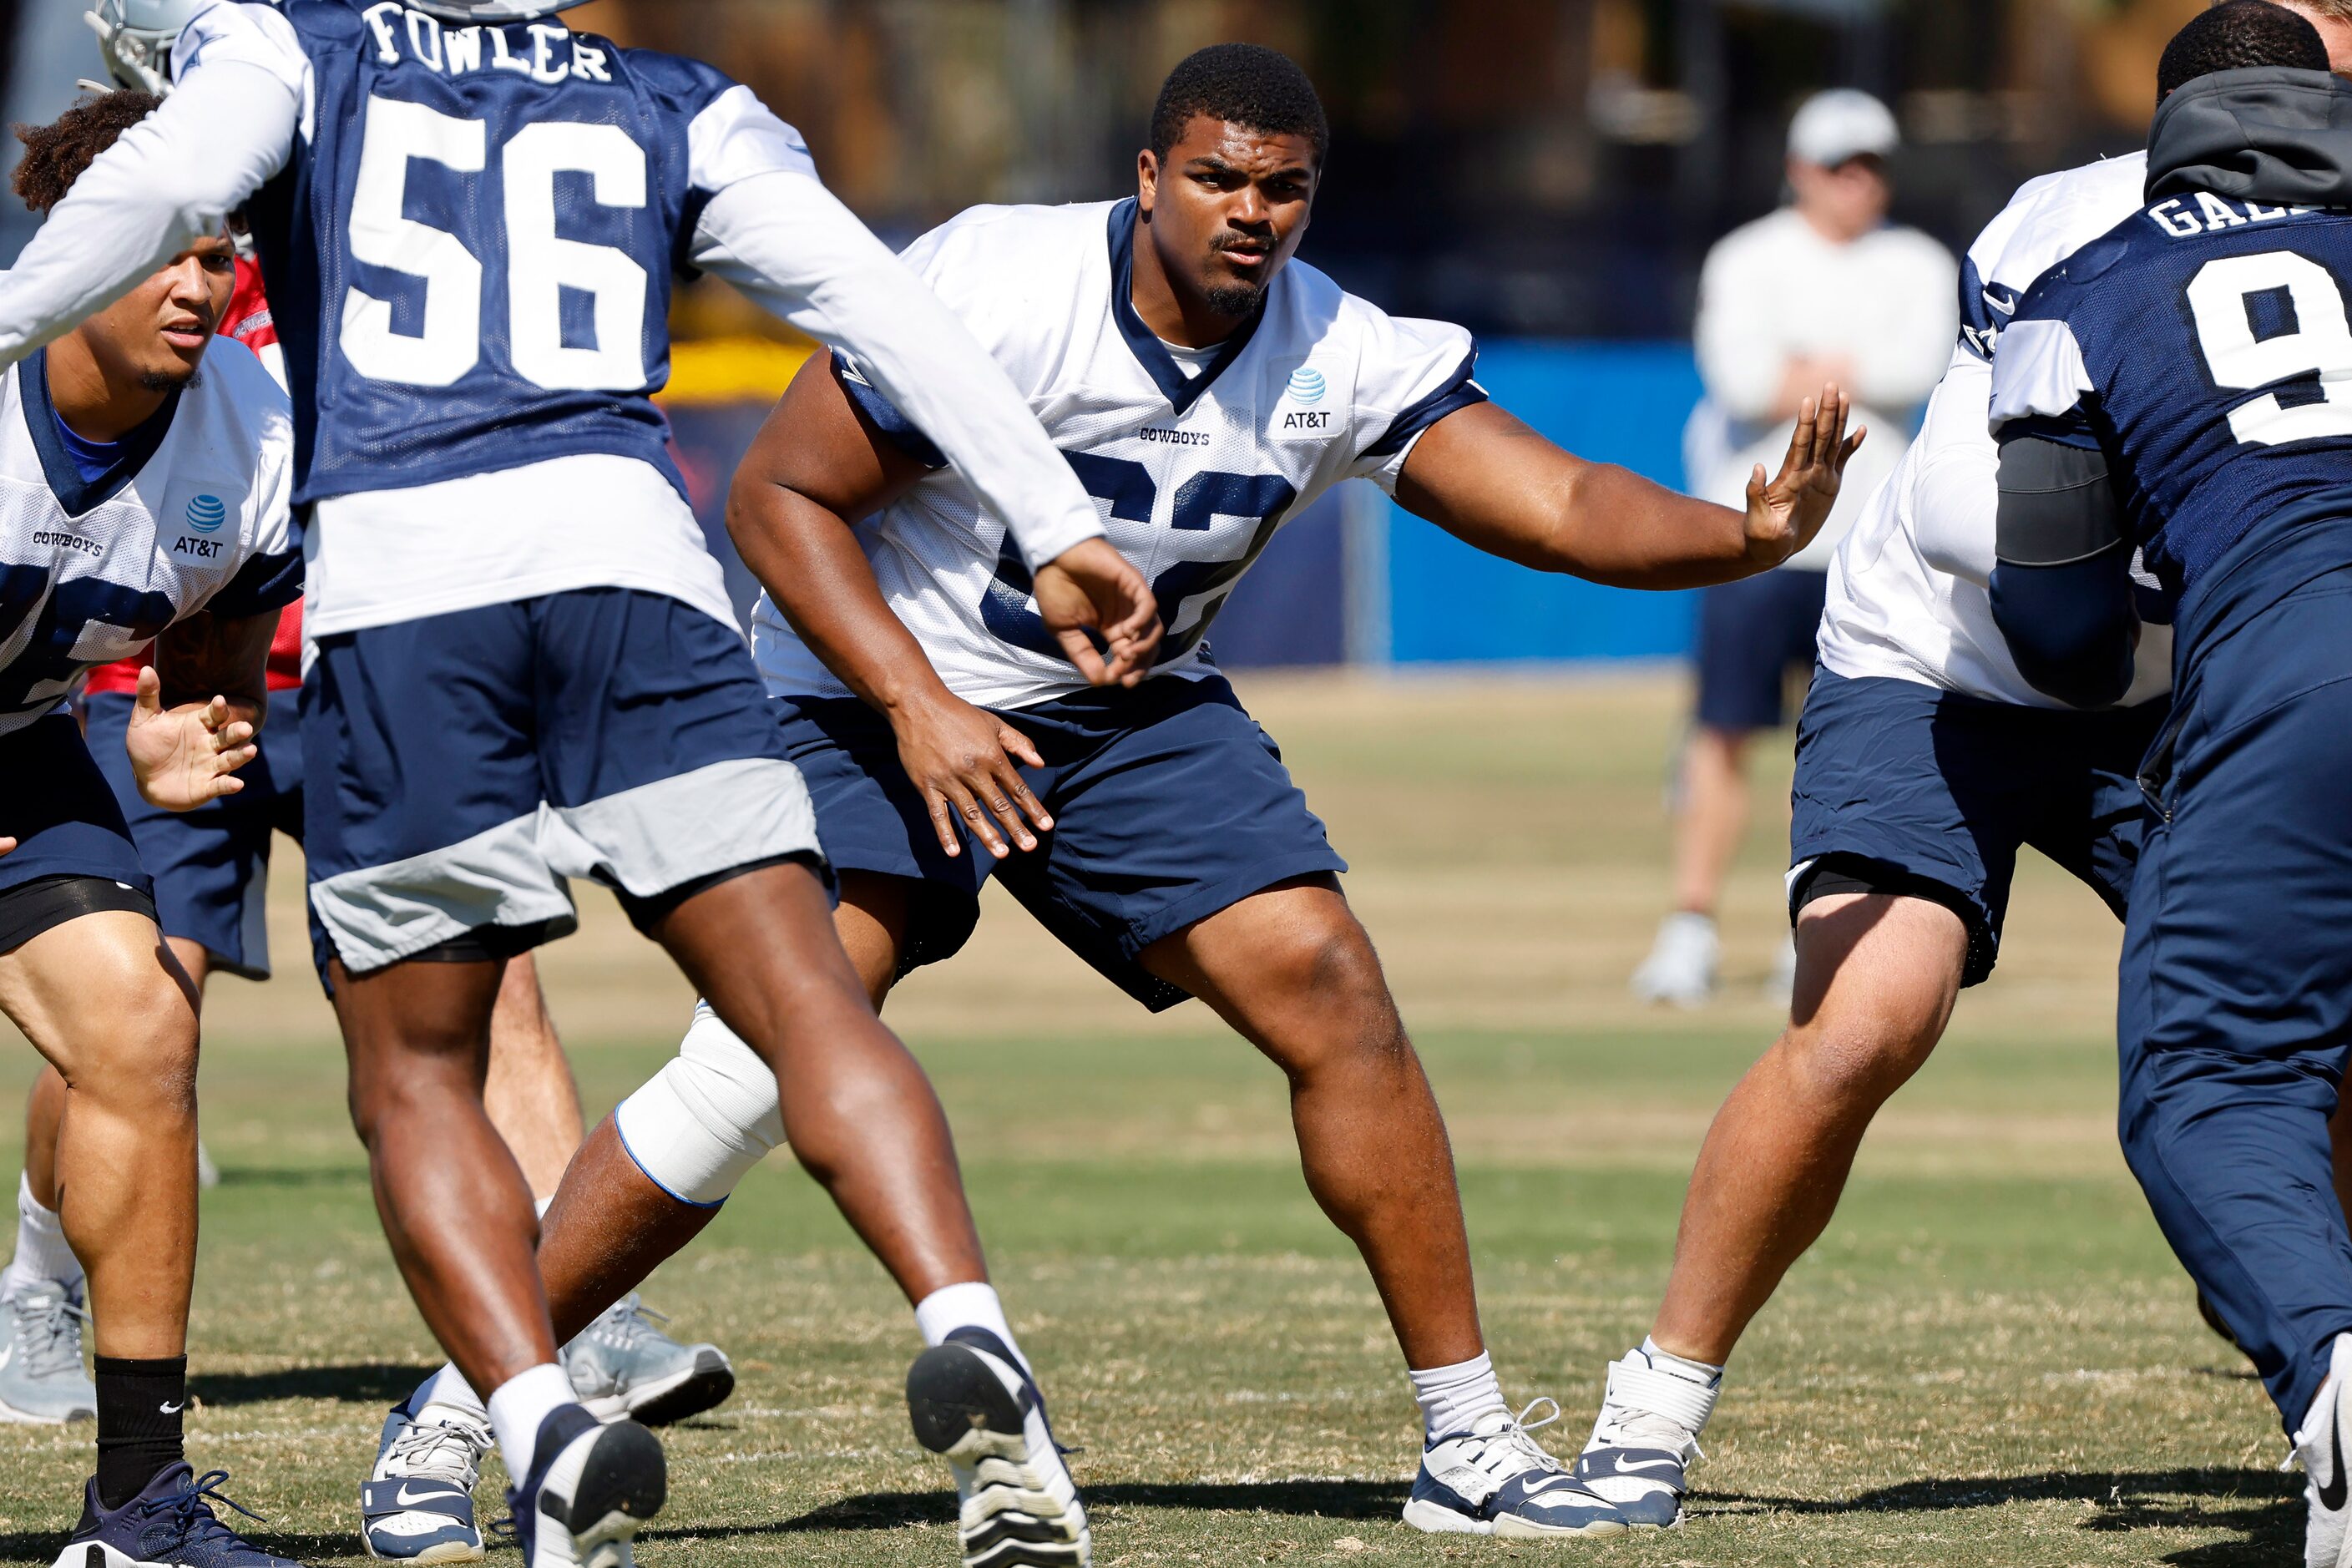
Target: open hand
{"points": [[1784, 515], [961, 759], [185, 757], [1092, 588]]}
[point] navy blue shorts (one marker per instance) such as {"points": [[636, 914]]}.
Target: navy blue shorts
{"points": [[461, 768], [211, 865], [56, 803], [1170, 804], [1904, 788], [1752, 634]]}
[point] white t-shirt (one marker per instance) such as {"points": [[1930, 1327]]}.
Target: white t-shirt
{"points": [[1777, 290], [1195, 472], [196, 517], [1907, 594]]}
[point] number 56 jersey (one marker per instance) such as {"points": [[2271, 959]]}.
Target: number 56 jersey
{"points": [[1196, 456], [2203, 344]]}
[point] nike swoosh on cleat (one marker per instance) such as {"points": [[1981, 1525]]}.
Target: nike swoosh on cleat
{"points": [[403, 1499], [1627, 1467], [2331, 1495]]}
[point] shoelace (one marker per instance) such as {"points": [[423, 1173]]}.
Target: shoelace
{"points": [[49, 1330], [194, 1522], [1514, 1440], [628, 1323], [440, 1451]]}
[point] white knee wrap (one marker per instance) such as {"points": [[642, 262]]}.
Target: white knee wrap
{"points": [[706, 1119]]}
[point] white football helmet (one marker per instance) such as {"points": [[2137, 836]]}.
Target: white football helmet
{"points": [[493, 10], [135, 38]]}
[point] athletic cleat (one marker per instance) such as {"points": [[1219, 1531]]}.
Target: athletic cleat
{"points": [[591, 1489], [1680, 969], [1639, 1464], [623, 1365], [2327, 1527], [170, 1525], [42, 1383], [418, 1506], [1497, 1480], [974, 1407]]}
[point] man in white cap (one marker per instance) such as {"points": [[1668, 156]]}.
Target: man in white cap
{"points": [[1823, 290]]}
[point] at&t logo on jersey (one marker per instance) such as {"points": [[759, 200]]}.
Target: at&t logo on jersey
{"points": [[1300, 417], [207, 513]]}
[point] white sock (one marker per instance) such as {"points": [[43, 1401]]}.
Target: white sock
{"points": [[447, 1386], [973, 1306], [517, 1408], [1652, 1382], [1453, 1397], [42, 1254]]}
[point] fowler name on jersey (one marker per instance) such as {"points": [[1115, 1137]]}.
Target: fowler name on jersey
{"points": [[196, 515], [1195, 472]]}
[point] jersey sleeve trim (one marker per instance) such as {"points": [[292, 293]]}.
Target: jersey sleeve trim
{"points": [[1456, 393], [2038, 372], [884, 416], [262, 586]]}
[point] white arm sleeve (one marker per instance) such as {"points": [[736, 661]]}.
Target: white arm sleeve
{"points": [[1955, 489], [789, 243], [171, 180], [2037, 372]]}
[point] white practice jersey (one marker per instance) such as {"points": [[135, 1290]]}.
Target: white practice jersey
{"points": [[1908, 595], [1195, 466], [195, 515]]}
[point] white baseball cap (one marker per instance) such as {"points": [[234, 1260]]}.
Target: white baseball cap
{"points": [[1835, 126]]}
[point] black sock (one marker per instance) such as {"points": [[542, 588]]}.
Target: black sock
{"points": [[140, 1405]]}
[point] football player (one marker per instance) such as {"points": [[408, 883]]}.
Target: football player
{"points": [[1207, 386], [1925, 762], [527, 668], [146, 475], [2178, 390]]}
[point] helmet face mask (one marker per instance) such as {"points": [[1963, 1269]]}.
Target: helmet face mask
{"points": [[480, 11]]}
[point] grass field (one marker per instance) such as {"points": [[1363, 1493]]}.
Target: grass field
{"points": [[1991, 1358]]}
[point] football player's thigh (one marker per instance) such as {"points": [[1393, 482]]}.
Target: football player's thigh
{"points": [[100, 995]]}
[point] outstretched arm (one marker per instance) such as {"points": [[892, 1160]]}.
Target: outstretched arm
{"points": [[171, 180], [1492, 482]]}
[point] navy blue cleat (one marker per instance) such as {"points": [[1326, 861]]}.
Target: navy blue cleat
{"points": [[591, 1489], [169, 1525], [1495, 1479], [974, 1405]]}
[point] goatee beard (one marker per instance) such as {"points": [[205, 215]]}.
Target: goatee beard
{"points": [[163, 381], [1236, 299]]}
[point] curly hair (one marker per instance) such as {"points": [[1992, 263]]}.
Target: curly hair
{"points": [[1259, 88], [55, 155], [2237, 35]]}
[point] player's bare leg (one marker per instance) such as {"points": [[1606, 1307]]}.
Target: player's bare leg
{"points": [[530, 1095], [1292, 969], [858, 1110], [1877, 976], [1293, 972], [455, 1204], [101, 999]]}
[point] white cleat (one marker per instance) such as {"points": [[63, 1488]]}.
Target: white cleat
{"points": [[418, 1505], [1497, 1480], [1646, 1438], [1680, 970], [974, 1407], [2328, 1529]]}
